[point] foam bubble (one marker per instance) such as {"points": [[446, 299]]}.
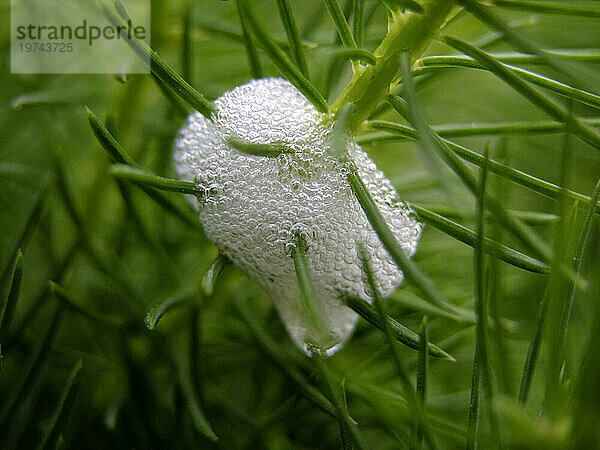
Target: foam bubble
{"points": [[254, 205]]}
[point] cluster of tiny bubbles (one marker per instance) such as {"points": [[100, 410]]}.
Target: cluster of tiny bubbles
{"points": [[255, 206]]}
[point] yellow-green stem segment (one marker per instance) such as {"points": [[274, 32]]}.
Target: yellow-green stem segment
{"points": [[407, 31]]}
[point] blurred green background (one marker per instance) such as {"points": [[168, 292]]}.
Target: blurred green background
{"points": [[117, 254]]}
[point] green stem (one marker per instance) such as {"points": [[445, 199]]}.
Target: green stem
{"points": [[409, 31]]}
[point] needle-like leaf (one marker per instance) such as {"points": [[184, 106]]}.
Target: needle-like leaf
{"points": [[209, 280], [535, 184], [490, 246], [8, 308], [156, 313], [581, 9], [160, 68], [348, 424], [556, 111], [253, 58], [311, 305], [341, 25], [118, 155], [412, 399], [59, 415], [145, 178], [426, 65], [271, 150], [401, 333], [281, 61], [281, 361], [293, 36], [434, 144]]}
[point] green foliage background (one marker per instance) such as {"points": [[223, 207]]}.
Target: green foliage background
{"points": [[117, 254]]}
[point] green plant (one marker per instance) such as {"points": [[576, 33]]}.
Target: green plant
{"points": [[121, 325]]}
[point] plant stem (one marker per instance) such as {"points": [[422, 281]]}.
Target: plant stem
{"points": [[407, 32]]}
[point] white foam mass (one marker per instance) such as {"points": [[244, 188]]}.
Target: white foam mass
{"points": [[255, 205]]}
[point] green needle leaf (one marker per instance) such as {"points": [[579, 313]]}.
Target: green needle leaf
{"points": [[490, 246], [410, 269], [118, 155], [426, 64], [347, 423], [526, 45], [269, 150], [312, 307], [355, 54], [38, 357], [59, 416], [209, 280], [422, 368], [145, 178], [358, 31], [156, 313], [474, 129], [281, 61], [160, 68], [535, 184], [397, 6], [293, 36], [581, 129], [198, 417], [433, 144], [65, 298], [8, 309], [580, 9], [341, 25], [253, 59], [281, 361], [410, 395], [400, 333]]}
